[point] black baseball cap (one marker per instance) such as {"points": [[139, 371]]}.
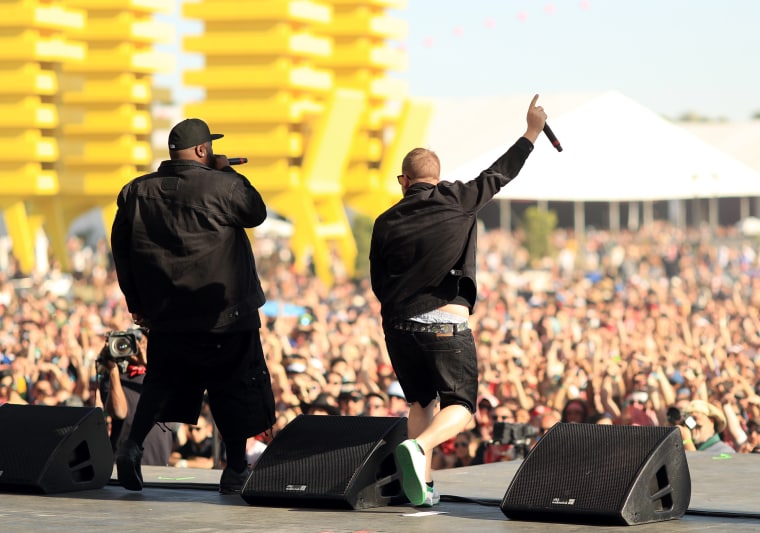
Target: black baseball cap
{"points": [[190, 132]]}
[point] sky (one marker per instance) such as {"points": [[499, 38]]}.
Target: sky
{"points": [[673, 56]]}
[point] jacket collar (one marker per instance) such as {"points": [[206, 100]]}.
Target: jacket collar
{"points": [[174, 163], [419, 187]]}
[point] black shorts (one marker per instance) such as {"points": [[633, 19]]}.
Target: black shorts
{"points": [[230, 366], [430, 365]]}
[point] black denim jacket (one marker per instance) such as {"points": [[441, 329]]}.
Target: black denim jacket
{"points": [[422, 254], [182, 256]]}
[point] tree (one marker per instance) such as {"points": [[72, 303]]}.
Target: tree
{"points": [[538, 225], [362, 229]]}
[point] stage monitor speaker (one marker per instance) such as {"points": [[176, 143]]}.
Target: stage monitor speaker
{"points": [[330, 461], [53, 449], [602, 474]]}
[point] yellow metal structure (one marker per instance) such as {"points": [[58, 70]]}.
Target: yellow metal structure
{"points": [[314, 204], [373, 191], [266, 92], [35, 41], [105, 139], [75, 113], [303, 88], [366, 43]]}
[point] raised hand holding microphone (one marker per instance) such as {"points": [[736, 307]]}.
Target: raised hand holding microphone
{"points": [[537, 124], [536, 120]]}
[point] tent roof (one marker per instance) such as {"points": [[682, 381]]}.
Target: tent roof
{"points": [[738, 139], [614, 150]]}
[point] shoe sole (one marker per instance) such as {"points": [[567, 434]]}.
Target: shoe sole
{"points": [[128, 478], [410, 482]]}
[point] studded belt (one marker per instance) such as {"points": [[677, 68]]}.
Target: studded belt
{"points": [[440, 328]]}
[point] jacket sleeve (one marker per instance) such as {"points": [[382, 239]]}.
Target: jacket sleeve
{"points": [[476, 193], [247, 207], [121, 244]]}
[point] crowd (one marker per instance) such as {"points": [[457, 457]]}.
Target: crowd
{"points": [[646, 327]]}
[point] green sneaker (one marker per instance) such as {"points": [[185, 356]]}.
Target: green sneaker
{"points": [[411, 461], [431, 497]]}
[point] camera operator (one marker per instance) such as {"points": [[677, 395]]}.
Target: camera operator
{"points": [[121, 367], [509, 440]]}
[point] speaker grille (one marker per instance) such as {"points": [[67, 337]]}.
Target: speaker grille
{"points": [[326, 458], [566, 471], [53, 449], [600, 473]]}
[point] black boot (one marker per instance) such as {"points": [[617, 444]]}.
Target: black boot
{"points": [[232, 482], [128, 459]]}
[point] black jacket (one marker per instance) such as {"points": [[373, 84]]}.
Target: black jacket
{"points": [[432, 231], [182, 256]]}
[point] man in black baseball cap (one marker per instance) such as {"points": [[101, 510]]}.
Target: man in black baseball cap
{"points": [[184, 263], [191, 132]]}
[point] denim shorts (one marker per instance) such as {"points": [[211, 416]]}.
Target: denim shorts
{"points": [[431, 365]]}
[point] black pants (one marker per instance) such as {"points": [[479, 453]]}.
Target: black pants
{"points": [[230, 367]]}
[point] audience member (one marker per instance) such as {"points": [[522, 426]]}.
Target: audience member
{"points": [[198, 449], [376, 404], [464, 454], [397, 405], [691, 336], [120, 389], [709, 422]]}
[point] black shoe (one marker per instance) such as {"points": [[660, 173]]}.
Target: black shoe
{"points": [[232, 482], [128, 459]]}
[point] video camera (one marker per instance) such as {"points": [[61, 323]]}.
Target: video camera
{"points": [[120, 345], [517, 435]]}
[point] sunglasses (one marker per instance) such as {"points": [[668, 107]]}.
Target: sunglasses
{"points": [[502, 418], [461, 444]]}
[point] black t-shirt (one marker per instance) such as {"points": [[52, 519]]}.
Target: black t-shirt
{"points": [[192, 449], [158, 444]]}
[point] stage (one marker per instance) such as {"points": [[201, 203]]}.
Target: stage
{"points": [[724, 497]]}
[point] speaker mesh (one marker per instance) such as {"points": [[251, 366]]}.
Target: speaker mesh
{"points": [[605, 483], [326, 458], [53, 449], [602, 473]]}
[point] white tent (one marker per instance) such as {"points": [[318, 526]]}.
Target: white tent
{"points": [[614, 150]]}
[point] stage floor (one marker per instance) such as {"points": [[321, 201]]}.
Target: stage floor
{"points": [[724, 497]]}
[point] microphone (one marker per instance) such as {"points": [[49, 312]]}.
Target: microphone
{"points": [[550, 135], [241, 160]]}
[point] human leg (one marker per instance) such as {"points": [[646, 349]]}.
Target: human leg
{"points": [[441, 427], [129, 454], [429, 366], [241, 402]]}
